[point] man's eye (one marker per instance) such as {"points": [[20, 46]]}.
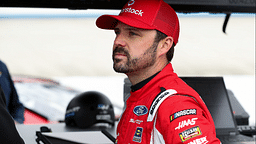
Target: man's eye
{"points": [[132, 33], [117, 32]]}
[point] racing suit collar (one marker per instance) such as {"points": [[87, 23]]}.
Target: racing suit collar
{"points": [[142, 83], [139, 85], [150, 82]]}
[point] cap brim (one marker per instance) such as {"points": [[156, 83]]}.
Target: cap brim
{"points": [[110, 21]]}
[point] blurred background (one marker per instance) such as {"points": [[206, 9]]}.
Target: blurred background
{"points": [[67, 47], [52, 43]]}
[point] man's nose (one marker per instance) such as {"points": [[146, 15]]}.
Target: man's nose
{"points": [[119, 40]]}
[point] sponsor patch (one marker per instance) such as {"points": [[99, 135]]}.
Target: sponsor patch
{"points": [[187, 122], [140, 110], [136, 121], [158, 101], [182, 113], [138, 135], [190, 133], [201, 140]]}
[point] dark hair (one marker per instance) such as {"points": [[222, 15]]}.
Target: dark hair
{"points": [[158, 38]]}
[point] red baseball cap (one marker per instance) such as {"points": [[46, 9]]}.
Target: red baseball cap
{"points": [[145, 14]]}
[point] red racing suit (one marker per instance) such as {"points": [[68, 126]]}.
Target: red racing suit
{"points": [[166, 111]]}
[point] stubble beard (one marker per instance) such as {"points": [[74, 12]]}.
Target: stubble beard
{"points": [[129, 65]]}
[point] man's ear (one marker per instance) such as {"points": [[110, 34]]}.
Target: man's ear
{"points": [[165, 45]]}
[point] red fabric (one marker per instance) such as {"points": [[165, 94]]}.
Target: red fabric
{"points": [[173, 131], [172, 125], [33, 118]]}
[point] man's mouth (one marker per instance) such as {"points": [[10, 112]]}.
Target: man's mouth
{"points": [[119, 55]]}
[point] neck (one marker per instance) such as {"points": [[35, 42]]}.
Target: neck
{"points": [[140, 75]]}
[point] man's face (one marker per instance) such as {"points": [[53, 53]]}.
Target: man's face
{"points": [[134, 49]]}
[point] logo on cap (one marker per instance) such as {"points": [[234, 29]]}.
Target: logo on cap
{"points": [[131, 2]]}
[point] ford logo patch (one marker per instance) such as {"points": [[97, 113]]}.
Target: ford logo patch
{"points": [[140, 110]]}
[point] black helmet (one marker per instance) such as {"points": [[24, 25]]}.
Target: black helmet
{"points": [[89, 108]]}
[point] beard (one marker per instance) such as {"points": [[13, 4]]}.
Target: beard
{"points": [[133, 64]]}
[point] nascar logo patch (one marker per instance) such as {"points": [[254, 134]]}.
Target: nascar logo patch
{"points": [[182, 113]]}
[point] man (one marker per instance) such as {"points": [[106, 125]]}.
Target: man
{"points": [[14, 106], [161, 108], [8, 132]]}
